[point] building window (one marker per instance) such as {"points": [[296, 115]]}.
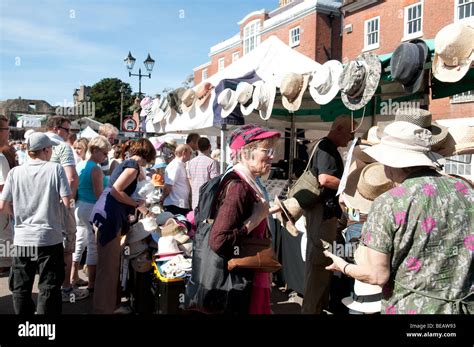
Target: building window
{"points": [[371, 33], [235, 56], [464, 9], [413, 21], [204, 74], [251, 36], [295, 37], [459, 165], [463, 97], [285, 2], [220, 64]]}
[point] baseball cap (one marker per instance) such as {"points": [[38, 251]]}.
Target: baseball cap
{"points": [[37, 141]]}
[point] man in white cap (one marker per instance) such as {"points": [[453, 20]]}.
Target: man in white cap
{"points": [[38, 237], [6, 232], [419, 234]]}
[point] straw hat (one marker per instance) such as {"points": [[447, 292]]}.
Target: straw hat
{"points": [[460, 140], [172, 228], [187, 100], [454, 52], [370, 182], [227, 99], [264, 98], [291, 211], [359, 80], [366, 298], [244, 93], [324, 84], [203, 94], [404, 145], [292, 88]]}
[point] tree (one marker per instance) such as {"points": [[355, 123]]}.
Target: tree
{"points": [[106, 95]]}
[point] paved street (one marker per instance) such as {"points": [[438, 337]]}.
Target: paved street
{"points": [[282, 303]]}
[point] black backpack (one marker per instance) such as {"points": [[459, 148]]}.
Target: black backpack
{"points": [[212, 288]]}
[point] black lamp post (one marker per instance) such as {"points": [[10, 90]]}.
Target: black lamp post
{"points": [[130, 62]]}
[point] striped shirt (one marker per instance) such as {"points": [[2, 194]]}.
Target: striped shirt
{"points": [[200, 170]]}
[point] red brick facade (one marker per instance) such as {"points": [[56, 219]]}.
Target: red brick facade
{"points": [[436, 15], [319, 37]]}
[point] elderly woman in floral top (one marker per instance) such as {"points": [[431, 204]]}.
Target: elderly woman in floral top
{"points": [[419, 234]]}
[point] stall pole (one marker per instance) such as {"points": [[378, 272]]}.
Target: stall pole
{"points": [[223, 146], [292, 146]]}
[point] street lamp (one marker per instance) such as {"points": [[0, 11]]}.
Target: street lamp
{"points": [[130, 62]]}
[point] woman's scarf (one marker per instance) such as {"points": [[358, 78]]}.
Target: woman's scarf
{"points": [[247, 176]]}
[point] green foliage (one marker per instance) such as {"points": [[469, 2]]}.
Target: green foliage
{"points": [[106, 95]]}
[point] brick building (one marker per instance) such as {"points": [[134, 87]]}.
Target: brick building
{"points": [[311, 27]]}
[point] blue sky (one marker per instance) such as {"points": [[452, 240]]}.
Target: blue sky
{"points": [[49, 48]]}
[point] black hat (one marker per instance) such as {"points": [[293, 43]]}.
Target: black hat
{"points": [[407, 64]]}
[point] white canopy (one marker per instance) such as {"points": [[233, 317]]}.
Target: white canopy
{"points": [[271, 60], [88, 133]]}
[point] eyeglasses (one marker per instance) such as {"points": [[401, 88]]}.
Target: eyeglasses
{"points": [[65, 129], [268, 151], [76, 148]]}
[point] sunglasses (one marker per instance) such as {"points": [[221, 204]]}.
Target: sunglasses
{"points": [[65, 129]]}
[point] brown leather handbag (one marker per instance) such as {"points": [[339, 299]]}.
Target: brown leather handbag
{"points": [[254, 254]]}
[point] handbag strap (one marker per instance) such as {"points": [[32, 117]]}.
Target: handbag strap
{"points": [[315, 148]]}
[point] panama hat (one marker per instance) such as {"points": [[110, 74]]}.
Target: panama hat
{"points": [[324, 84], [203, 94], [227, 99], [359, 80], [291, 211], [404, 144], [244, 94], [264, 96], [454, 52], [188, 99], [423, 119], [460, 140], [366, 298], [370, 182], [292, 88], [407, 64]]}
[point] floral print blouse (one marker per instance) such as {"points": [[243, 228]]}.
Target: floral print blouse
{"points": [[426, 225]]}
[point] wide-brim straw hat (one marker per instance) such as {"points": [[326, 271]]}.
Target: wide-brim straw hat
{"points": [[227, 99], [359, 80], [370, 182], [244, 94], [203, 94], [292, 88], [324, 84], [454, 52], [188, 100], [367, 298], [460, 140], [404, 144]]}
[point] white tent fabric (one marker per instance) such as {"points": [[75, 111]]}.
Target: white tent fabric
{"points": [[88, 133], [271, 60]]}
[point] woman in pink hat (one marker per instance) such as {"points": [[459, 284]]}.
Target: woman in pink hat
{"points": [[243, 209]]}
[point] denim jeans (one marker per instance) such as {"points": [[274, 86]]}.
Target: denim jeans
{"points": [[49, 263]]}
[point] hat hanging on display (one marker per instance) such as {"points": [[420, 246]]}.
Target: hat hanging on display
{"points": [[174, 99], [370, 182], [359, 80], [454, 52], [292, 88], [460, 140], [227, 99], [167, 248], [407, 64], [188, 99], [244, 94], [203, 94], [146, 104], [404, 144], [324, 84], [264, 98], [423, 119]]}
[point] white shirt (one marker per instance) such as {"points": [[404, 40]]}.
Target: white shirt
{"points": [[175, 176]]}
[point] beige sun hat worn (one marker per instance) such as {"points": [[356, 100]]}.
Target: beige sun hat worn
{"points": [[264, 98], [291, 211], [359, 80], [324, 84], [188, 100], [244, 93], [423, 119], [454, 52], [370, 182], [292, 88], [404, 144], [227, 99]]}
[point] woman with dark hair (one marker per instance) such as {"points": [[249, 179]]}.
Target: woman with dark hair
{"points": [[110, 220]]}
